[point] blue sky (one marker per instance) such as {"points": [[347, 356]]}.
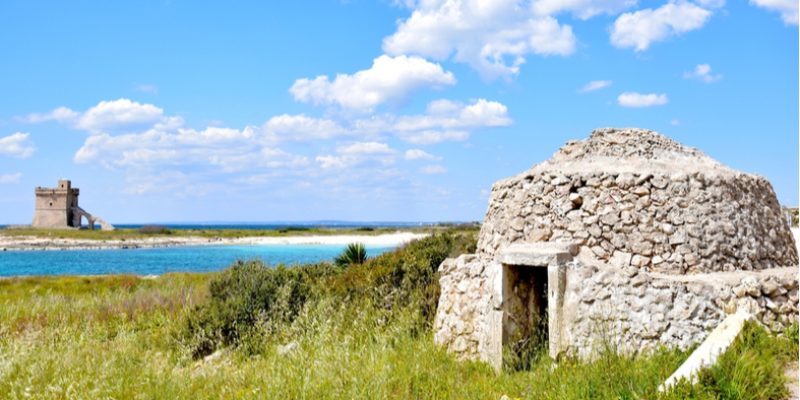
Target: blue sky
{"points": [[372, 110]]}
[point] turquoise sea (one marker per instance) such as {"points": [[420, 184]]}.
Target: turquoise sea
{"points": [[161, 260]]}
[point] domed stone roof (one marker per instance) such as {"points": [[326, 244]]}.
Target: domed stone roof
{"points": [[636, 197], [630, 150]]}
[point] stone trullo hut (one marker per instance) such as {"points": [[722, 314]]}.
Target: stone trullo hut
{"points": [[627, 237]]}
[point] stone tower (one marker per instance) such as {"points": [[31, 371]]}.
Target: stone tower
{"points": [[58, 208], [54, 206]]}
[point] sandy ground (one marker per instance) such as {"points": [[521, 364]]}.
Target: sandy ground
{"points": [[39, 243]]}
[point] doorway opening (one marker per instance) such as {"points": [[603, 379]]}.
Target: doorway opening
{"points": [[526, 328]]}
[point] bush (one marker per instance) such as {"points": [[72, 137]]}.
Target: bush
{"points": [[402, 278], [155, 230], [245, 297], [293, 229], [249, 298]]}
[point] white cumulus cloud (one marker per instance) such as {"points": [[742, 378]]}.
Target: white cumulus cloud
{"points": [[638, 30], [389, 79], [638, 100], [120, 113], [449, 121], [17, 145], [493, 37], [228, 149], [434, 136], [356, 154], [583, 9], [594, 85], [60, 114], [481, 113], [787, 9], [284, 147], [366, 148], [702, 72], [444, 120], [418, 154], [109, 115], [301, 128]]}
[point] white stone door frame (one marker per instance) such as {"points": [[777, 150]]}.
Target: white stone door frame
{"points": [[550, 255]]}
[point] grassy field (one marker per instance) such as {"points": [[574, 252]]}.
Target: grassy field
{"points": [[324, 332], [158, 231]]}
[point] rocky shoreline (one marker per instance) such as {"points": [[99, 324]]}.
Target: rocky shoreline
{"points": [[34, 243]]}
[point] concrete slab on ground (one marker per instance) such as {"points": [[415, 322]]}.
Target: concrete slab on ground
{"points": [[706, 355]]}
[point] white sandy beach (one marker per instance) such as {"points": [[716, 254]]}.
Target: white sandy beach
{"points": [[39, 243], [389, 239]]}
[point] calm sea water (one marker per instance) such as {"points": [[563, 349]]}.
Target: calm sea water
{"points": [[161, 260]]}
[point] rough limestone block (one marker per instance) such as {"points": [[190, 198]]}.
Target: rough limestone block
{"points": [[706, 355], [539, 254]]}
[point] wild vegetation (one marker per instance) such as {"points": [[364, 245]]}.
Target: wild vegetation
{"points": [[315, 331], [354, 253]]}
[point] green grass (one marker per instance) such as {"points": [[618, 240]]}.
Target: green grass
{"points": [[361, 332], [793, 211]]}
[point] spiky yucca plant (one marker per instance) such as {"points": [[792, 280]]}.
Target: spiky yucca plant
{"points": [[354, 253]]}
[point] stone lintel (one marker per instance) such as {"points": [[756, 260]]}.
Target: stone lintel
{"points": [[540, 254]]}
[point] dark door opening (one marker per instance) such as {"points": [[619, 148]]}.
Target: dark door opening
{"points": [[526, 321]]}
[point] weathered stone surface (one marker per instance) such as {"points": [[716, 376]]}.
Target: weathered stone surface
{"points": [[668, 241], [630, 189], [58, 208], [463, 318], [537, 254]]}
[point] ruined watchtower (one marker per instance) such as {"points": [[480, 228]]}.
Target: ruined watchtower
{"points": [[58, 208]]}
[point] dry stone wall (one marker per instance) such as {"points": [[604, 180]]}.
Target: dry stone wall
{"points": [[634, 310], [628, 308], [466, 306]]}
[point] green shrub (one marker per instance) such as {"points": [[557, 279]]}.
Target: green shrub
{"points": [[294, 229], [155, 230], [402, 278], [249, 298], [244, 297]]}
